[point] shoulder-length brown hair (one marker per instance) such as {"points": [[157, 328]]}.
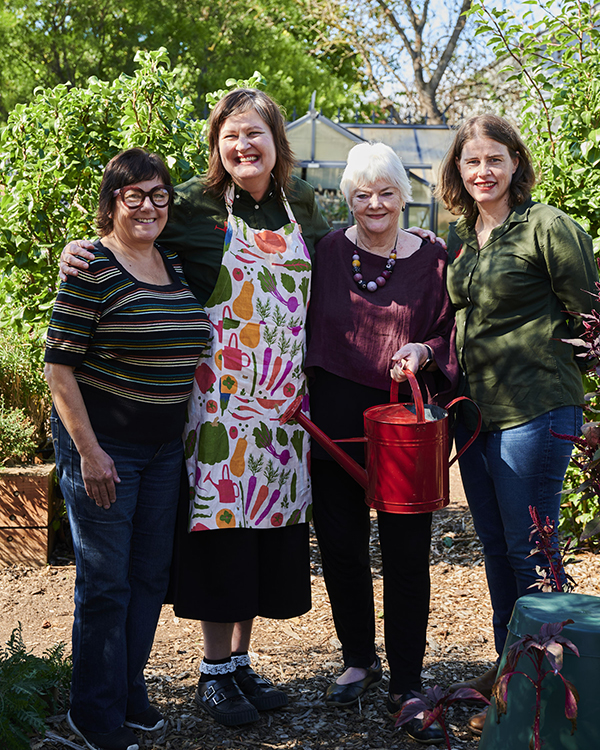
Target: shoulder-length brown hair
{"points": [[451, 190], [235, 103], [127, 168]]}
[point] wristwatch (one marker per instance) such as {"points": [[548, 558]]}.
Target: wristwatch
{"points": [[429, 359]]}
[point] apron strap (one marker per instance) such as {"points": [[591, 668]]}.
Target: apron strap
{"points": [[230, 194]]}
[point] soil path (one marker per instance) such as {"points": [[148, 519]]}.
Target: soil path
{"points": [[302, 655]]}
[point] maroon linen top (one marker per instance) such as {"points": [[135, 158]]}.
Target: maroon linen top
{"points": [[354, 333]]}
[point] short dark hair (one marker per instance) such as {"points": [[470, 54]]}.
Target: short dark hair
{"points": [[235, 103], [126, 168], [450, 188]]}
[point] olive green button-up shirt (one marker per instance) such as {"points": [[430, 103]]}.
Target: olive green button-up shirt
{"points": [[512, 299]]}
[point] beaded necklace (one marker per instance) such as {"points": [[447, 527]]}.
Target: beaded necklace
{"points": [[373, 286]]}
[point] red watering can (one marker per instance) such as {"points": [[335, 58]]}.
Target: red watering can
{"points": [[406, 452]]}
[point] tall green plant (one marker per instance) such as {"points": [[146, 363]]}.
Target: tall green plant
{"points": [[52, 154], [30, 688], [553, 51]]}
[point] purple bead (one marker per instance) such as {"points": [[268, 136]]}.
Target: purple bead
{"points": [[391, 262], [372, 286], [357, 277], [386, 274], [355, 257], [380, 281]]}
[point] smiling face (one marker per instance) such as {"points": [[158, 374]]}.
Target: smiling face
{"points": [[376, 207], [248, 151], [139, 227], [486, 168]]}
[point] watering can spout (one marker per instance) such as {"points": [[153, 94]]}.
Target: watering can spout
{"points": [[348, 464]]}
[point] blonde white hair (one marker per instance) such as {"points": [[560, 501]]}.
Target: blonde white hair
{"points": [[370, 162]]}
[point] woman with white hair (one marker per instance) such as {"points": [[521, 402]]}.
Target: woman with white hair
{"points": [[378, 302]]}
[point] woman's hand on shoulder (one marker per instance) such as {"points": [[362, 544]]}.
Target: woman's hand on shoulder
{"points": [[427, 234], [411, 357], [73, 258], [99, 477]]}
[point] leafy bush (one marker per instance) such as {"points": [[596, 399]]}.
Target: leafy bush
{"points": [[22, 384], [31, 687], [52, 155], [17, 435]]}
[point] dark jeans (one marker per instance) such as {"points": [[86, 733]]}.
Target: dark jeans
{"points": [[122, 556], [503, 473], [341, 520]]}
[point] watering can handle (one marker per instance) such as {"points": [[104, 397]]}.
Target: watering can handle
{"points": [[477, 429], [416, 392]]}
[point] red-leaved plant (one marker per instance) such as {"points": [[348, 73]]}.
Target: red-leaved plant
{"points": [[553, 577], [549, 645], [434, 703]]}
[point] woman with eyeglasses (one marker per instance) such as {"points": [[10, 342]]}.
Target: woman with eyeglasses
{"points": [[122, 346]]}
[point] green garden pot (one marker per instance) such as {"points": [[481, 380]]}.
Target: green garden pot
{"points": [[514, 730]]}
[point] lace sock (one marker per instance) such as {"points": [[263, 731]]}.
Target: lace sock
{"points": [[210, 669], [240, 659]]}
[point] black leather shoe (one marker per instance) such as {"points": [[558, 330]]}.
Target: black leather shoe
{"points": [[348, 695], [225, 702], [433, 735], [258, 690]]}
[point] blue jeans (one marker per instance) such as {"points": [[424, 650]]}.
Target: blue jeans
{"points": [[503, 473], [123, 556]]}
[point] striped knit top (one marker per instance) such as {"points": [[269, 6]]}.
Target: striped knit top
{"points": [[133, 346]]}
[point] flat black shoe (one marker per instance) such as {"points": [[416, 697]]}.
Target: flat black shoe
{"points": [[433, 735], [258, 690], [225, 702], [348, 695]]}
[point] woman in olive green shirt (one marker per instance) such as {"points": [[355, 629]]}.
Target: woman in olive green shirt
{"points": [[514, 268]]}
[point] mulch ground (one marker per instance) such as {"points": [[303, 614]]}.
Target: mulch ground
{"points": [[302, 655]]}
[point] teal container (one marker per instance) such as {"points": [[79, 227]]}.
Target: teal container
{"points": [[514, 730]]}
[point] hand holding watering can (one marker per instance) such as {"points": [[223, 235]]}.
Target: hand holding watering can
{"points": [[406, 452]]}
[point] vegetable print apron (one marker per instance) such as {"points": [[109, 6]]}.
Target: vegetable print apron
{"points": [[244, 468]]}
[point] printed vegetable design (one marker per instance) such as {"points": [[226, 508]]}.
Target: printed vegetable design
{"points": [[270, 337], [274, 497], [223, 288], [264, 439], [228, 386], [270, 242], [299, 266], [271, 475], [284, 346], [204, 377], [213, 443], [225, 519], [242, 305], [255, 466], [268, 284], [189, 445], [250, 335], [237, 464]]}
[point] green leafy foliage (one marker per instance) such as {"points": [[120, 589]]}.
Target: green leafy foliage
{"points": [[24, 394], [67, 41], [31, 687], [52, 155]]}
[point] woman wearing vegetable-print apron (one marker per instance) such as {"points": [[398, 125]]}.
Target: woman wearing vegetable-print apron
{"points": [[247, 551]]}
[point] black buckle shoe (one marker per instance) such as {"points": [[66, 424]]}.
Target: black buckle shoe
{"points": [[225, 702], [259, 690], [433, 735], [348, 695]]}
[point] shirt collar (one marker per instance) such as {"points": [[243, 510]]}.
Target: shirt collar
{"points": [[517, 215]]}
